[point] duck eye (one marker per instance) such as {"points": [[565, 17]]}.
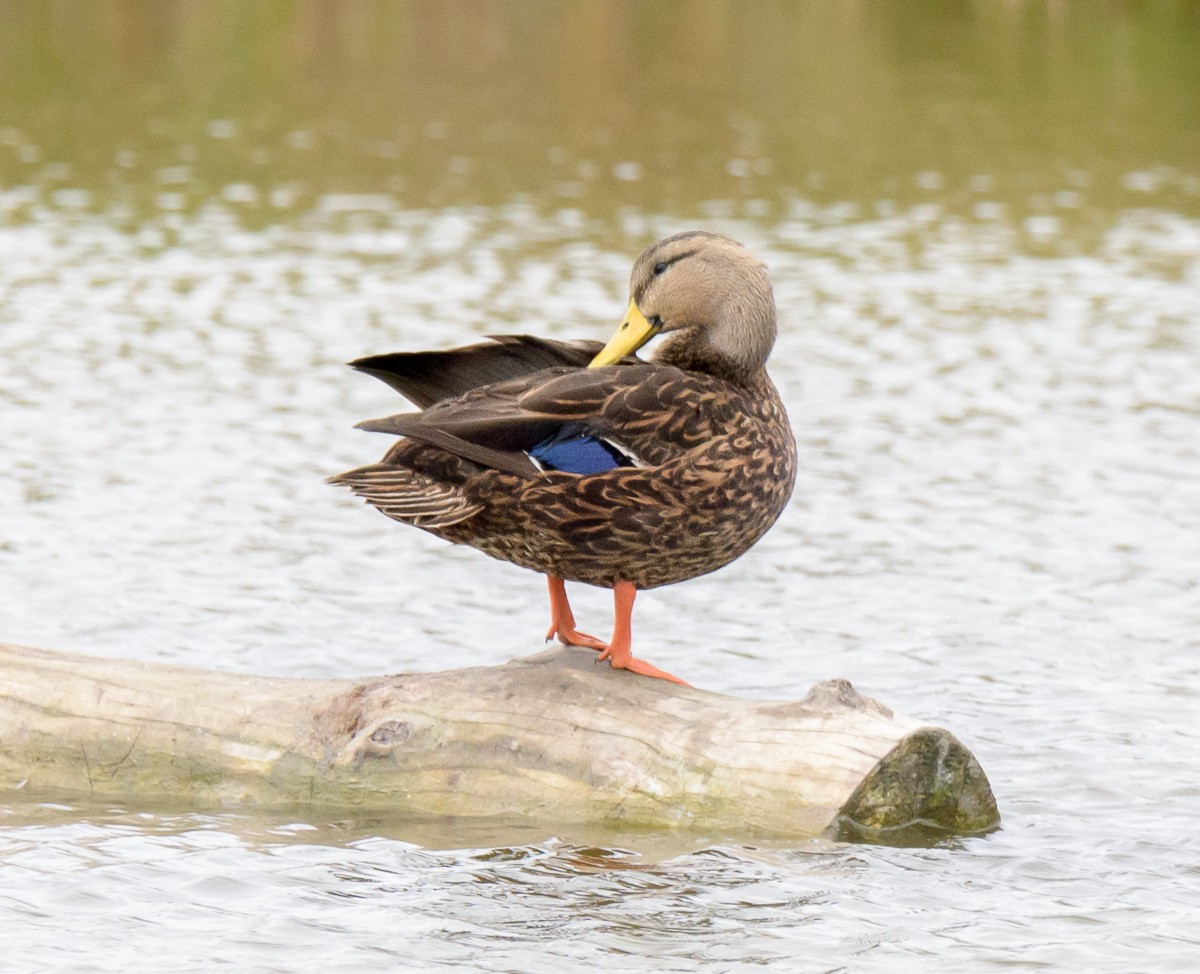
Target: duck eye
{"points": [[661, 266]]}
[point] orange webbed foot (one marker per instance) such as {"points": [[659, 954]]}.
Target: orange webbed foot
{"points": [[569, 636], [640, 666], [618, 652]]}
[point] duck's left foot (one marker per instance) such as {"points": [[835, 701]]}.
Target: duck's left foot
{"points": [[618, 651], [627, 661]]}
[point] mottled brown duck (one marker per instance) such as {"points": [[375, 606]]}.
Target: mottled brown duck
{"points": [[588, 464]]}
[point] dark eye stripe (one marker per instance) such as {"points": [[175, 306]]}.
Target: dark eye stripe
{"points": [[662, 265]]}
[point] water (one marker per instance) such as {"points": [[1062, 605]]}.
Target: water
{"points": [[989, 288]]}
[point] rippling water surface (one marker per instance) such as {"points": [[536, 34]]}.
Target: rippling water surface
{"points": [[992, 363]]}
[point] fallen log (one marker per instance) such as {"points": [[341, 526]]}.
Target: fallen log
{"points": [[551, 737]]}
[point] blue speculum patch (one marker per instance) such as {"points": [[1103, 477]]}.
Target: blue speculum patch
{"points": [[572, 451]]}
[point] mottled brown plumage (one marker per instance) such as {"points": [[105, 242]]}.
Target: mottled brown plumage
{"points": [[714, 454]]}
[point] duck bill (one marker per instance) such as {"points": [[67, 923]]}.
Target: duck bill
{"points": [[633, 333]]}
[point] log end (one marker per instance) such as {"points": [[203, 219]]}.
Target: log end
{"points": [[929, 785]]}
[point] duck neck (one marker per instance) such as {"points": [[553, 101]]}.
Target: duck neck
{"points": [[737, 363]]}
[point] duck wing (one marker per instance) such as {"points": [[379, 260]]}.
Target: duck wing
{"points": [[425, 378], [644, 410]]}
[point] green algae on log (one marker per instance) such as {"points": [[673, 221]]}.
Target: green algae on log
{"points": [[929, 781], [552, 737]]}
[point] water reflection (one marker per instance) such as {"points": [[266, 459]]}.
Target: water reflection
{"points": [[1056, 111]]}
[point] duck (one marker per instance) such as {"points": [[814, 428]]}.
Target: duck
{"points": [[586, 463]]}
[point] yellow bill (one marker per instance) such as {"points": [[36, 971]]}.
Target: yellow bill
{"points": [[634, 332]]}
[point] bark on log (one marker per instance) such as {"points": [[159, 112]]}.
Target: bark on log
{"points": [[552, 737]]}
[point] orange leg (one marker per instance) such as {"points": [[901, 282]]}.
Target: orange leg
{"points": [[562, 619], [618, 652]]}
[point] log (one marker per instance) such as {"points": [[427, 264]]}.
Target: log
{"points": [[553, 737]]}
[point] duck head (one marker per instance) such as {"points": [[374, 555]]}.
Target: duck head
{"points": [[710, 296]]}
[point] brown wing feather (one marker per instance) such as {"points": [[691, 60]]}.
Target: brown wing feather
{"points": [[414, 426], [496, 425], [425, 378]]}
